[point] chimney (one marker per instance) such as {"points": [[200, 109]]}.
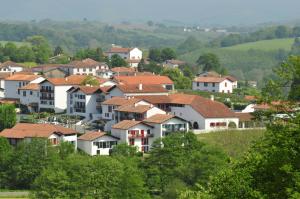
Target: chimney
{"points": [[140, 86], [212, 98]]}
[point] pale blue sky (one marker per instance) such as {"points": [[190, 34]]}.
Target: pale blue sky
{"points": [[193, 11]]}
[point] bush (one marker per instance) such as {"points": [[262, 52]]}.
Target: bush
{"points": [[232, 125]]}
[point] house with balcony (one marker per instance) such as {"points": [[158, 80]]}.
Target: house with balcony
{"points": [[14, 82], [53, 92], [97, 143], [30, 96], [26, 132], [165, 124], [202, 114], [85, 101], [134, 133]]}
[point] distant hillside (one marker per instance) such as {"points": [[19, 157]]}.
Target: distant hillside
{"points": [[266, 45], [17, 43]]}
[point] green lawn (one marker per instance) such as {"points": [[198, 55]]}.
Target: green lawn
{"points": [[235, 143], [17, 43], [265, 45]]}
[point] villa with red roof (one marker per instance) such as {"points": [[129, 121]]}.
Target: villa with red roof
{"points": [[132, 55]]}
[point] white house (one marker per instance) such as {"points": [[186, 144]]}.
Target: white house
{"points": [[97, 143], [2, 78], [164, 124], [134, 133], [132, 55], [85, 67], [214, 84], [54, 133], [16, 81], [53, 92], [30, 96], [85, 101], [11, 67], [201, 113]]}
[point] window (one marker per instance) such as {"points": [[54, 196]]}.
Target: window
{"points": [[77, 69], [145, 141], [106, 114], [205, 84], [131, 141], [31, 93], [110, 109], [169, 87], [84, 69], [198, 84], [18, 92], [24, 93], [213, 84], [212, 124], [225, 84], [90, 69], [20, 84]]}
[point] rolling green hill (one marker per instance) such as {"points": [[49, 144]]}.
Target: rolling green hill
{"points": [[265, 45], [17, 43]]}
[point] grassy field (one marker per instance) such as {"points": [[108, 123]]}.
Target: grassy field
{"points": [[235, 143], [265, 45], [15, 42]]}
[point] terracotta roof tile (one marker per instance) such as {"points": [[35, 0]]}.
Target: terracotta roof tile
{"points": [[90, 136], [85, 63], [145, 89], [159, 118], [70, 80], [23, 130], [126, 124], [144, 79], [134, 109], [10, 63], [119, 50], [22, 77], [120, 101], [123, 69], [31, 86], [243, 117]]}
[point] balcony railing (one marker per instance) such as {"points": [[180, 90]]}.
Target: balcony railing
{"points": [[79, 110], [139, 135], [46, 98], [46, 91]]}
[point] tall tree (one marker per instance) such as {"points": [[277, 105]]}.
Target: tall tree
{"points": [[117, 61], [41, 48], [58, 50], [8, 116], [168, 54], [209, 62]]}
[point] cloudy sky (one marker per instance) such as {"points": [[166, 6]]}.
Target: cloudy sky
{"points": [[228, 12]]}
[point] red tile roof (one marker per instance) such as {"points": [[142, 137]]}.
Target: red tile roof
{"points": [[144, 79], [134, 109], [145, 88], [120, 101], [22, 77], [90, 136], [213, 79], [126, 124], [119, 50], [123, 70], [23, 130], [243, 117], [206, 107], [85, 63], [10, 63], [70, 80], [159, 118], [31, 86]]}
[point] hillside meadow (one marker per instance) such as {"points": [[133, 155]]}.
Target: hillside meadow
{"points": [[234, 142]]}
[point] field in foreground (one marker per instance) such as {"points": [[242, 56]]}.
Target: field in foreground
{"points": [[235, 143]]}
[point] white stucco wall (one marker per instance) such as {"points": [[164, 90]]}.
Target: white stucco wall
{"points": [[219, 87]]}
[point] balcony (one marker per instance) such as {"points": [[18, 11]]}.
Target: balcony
{"points": [[46, 91], [139, 135], [79, 110], [46, 98]]}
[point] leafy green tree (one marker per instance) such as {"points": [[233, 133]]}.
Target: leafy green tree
{"points": [[209, 62], [28, 161], [171, 162], [180, 81], [296, 47], [117, 61], [141, 65], [95, 54], [10, 50], [153, 67], [41, 48], [5, 158], [167, 54], [90, 80], [155, 55], [24, 54], [189, 45], [282, 32], [8, 116], [187, 72], [58, 50], [124, 150]]}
